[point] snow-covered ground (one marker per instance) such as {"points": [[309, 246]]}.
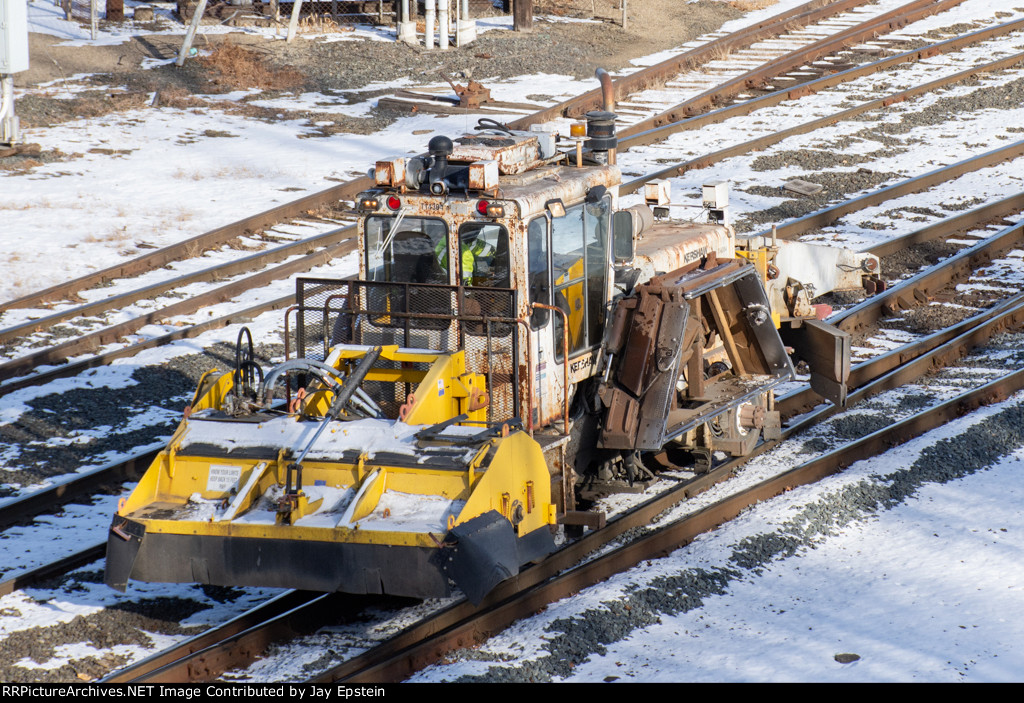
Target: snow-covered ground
{"points": [[929, 590]]}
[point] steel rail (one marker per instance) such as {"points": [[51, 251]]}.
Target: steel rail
{"points": [[817, 85], [919, 286], [761, 142], [90, 342], [231, 647], [826, 216], [173, 663], [24, 507], [58, 567], [212, 273], [804, 400], [951, 225], [913, 360], [75, 367], [657, 74], [892, 20], [928, 282], [424, 644], [187, 249]]}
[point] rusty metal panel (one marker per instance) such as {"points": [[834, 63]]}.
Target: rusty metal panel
{"points": [[640, 343], [570, 185], [514, 153], [483, 175], [671, 315], [471, 95], [659, 395], [620, 422], [672, 246], [390, 172], [647, 368], [826, 349]]}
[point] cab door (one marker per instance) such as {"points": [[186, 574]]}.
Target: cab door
{"points": [[568, 258]]}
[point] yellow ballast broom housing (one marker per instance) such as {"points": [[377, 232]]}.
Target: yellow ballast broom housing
{"points": [[318, 497]]}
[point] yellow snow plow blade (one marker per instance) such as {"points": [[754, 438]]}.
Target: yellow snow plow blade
{"points": [[333, 496]]}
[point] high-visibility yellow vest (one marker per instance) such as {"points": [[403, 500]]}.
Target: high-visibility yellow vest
{"points": [[468, 255]]}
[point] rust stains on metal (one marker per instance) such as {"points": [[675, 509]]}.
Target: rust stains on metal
{"points": [[514, 154], [471, 95]]}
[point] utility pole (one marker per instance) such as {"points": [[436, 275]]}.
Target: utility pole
{"points": [[522, 15]]}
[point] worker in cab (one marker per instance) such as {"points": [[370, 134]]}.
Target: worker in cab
{"points": [[475, 255]]}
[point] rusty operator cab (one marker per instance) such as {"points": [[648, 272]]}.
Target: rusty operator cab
{"points": [[622, 342], [505, 215]]}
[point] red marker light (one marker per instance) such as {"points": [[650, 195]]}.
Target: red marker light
{"points": [[393, 202], [481, 206]]}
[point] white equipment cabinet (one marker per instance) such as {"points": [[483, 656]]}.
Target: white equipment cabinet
{"points": [[13, 36], [13, 59]]}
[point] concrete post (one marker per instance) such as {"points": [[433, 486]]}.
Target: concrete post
{"points": [[430, 12], [443, 24]]}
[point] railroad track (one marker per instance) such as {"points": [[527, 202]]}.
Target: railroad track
{"points": [[569, 570], [462, 624], [1009, 205], [338, 242]]}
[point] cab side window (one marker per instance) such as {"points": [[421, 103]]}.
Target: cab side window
{"points": [[539, 271], [579, 269]]}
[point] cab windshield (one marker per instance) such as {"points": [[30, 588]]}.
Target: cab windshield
{"points": [[406, 255], [483, 248], [418, 252]]}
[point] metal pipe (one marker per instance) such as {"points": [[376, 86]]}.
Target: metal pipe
{"points": [[8, 122], [327, 314], [529, 369], [607, 91], [351, 383], [197, 17], [288, 383]]}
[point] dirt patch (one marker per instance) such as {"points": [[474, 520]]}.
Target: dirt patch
{"points": [[26, 161], [235, 67]]}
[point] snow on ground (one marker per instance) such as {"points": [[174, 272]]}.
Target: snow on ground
{"points": [[931, 590], [919, 594], [928, 590]]}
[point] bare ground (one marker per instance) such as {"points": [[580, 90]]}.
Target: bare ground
{"points": [[559, 47]]}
